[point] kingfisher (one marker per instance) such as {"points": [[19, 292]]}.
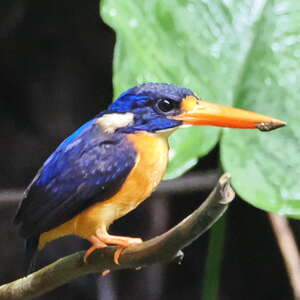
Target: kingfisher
{"points": [[112, 163]]}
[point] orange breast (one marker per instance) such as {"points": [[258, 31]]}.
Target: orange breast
{"points": [[148, 171]]}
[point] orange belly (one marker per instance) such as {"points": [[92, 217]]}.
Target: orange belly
{"points": [[148, 171]]}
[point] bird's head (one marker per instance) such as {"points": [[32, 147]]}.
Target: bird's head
{"points": [[156, 107]]}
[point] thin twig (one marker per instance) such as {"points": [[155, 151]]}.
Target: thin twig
{"points": [[289, 250], [163, 248], [13, 195], [204, 181]]}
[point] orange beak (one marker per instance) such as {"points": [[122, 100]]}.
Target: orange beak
{"points": [[198, 112]]}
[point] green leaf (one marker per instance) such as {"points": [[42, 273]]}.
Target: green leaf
{"points": [[266, 166], [243, 53], [159, 41], [186, 147]]}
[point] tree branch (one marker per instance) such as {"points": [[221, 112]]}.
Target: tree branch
{"points": [[289, 250], [163, 248]]}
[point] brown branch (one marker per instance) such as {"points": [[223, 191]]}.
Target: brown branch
{"points": [[163, 248], [289, 250]]}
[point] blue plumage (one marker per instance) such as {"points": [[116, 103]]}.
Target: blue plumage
{"points": [[142, 102], [89, 163], [145, 95]]}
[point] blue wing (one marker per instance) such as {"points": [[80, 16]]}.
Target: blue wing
{"points": [[88, 167]]}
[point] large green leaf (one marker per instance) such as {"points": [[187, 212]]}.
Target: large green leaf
{"points": [[175, 42], [243, 53], [266, 166]]}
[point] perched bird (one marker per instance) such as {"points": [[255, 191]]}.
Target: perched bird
{"points": [[113, 162]]}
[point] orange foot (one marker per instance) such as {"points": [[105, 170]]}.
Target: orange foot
{"points": [[101, 239]]}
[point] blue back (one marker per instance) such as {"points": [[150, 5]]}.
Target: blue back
{"points": [[87, 164]]}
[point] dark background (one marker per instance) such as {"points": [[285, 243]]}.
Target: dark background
{"points": [[55, 74]]}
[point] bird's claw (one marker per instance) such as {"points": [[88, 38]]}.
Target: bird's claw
{"points": [[96, 244], [100, 241], [118, 252], [105, 272]]}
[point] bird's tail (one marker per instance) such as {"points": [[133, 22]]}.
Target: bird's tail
{"points": [[31, 245]]}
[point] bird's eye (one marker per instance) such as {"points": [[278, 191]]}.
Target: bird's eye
{"points": [[165, 105]]}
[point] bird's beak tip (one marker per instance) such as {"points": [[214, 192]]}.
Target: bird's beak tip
{"points": [[268, 126]]}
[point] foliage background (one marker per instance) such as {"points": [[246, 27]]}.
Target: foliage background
{"points": [[242, 53], [55, 71]]}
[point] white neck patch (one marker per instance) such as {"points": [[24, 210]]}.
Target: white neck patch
{"points": [[111, 122]]}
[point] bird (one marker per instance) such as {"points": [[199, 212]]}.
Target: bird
{"points": [[112, 163]]}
